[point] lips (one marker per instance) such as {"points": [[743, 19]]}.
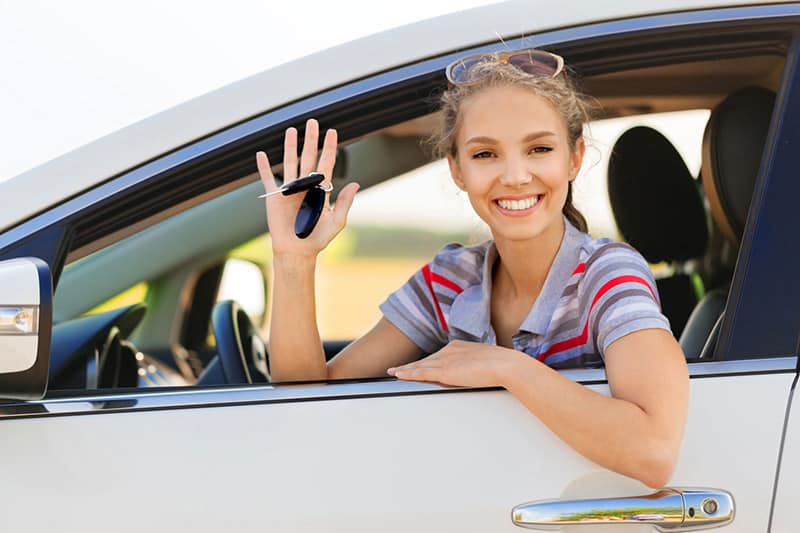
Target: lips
{"points": [[518, 206]]}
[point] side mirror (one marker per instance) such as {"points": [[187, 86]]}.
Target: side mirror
{"points": [[26, 315]]}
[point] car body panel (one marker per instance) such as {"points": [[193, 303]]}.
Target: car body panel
{"points": [[353, 457], [787, 485]]}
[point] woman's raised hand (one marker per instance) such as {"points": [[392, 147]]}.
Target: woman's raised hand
{"points": [[282, 210]]}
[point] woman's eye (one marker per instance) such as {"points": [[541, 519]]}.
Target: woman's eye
{"points": [[541, 149], [482, 155]]}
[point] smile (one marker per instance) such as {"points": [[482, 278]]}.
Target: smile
{"points": [[518, 206]]}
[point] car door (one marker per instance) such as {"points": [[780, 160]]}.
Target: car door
{"points": [[386, 455]]}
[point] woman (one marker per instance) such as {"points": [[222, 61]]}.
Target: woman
{"points": [[540, 295]]}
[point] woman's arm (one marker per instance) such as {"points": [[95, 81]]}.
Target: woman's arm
{"points": [[636, 432], [380, 348], [295, 348]]}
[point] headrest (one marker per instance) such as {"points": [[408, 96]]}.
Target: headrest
{"points": [[655, 200], [732, 146]]}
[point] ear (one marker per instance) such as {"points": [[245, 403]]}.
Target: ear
{"points": [[576, 158], [455, 172]]}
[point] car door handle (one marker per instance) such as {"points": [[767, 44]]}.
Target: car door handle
{"points": [[668, 509]]}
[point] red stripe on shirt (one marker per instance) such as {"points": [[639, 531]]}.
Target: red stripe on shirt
{"points": [[580, 268], [428, 276], [581, 339], [441, 280]]}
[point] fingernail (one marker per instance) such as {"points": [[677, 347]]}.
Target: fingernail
{"points": [[390, 371]]}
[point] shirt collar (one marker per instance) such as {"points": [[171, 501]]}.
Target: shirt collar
{"points": [[471, 309], [561, 270]]}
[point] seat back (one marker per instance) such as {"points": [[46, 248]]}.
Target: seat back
{"points": [[733, 143], [659, 210]]}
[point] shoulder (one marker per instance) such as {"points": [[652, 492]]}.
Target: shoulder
{"points": [[618, 293], [606, 251], [459, 263], [607, 264]]}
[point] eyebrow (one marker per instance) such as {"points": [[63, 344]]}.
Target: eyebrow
{"points": [[529, 137]]}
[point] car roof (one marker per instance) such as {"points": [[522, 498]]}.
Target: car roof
{"points": [[50, 183]]}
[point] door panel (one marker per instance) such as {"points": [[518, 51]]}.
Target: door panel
{"points": [[448, 461], [788, 486]]}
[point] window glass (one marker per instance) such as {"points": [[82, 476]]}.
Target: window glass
{"points": [[243, 282], [133, 295]]}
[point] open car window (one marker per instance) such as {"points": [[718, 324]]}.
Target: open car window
{"points": [[407, 210]]}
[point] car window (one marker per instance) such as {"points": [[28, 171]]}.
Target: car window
{"points": [[131, 296], [398, 222], [396, 227]]}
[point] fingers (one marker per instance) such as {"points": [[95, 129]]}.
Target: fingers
{"points": [[343, 203], [308, 160], [290, 155], [417, 373], [265, 172], [328, 158]]}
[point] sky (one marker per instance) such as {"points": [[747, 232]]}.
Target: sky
{"points": [[75, 71]]}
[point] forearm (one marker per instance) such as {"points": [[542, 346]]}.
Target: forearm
{"points": [[614, 433], [295, 348]]}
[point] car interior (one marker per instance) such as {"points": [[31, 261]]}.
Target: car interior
{"points": [[177, 333]]}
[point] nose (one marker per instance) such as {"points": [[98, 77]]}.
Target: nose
{"points": [[516, 173]]}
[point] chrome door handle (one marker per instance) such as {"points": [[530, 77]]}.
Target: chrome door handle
{"points": [[668, 509]]}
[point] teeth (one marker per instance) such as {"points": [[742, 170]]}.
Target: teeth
{"points": [[518, 205]]}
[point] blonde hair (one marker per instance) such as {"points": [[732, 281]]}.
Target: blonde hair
{"points": [[560, 91]]}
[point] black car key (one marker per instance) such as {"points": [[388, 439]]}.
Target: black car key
{"points": [[298, 185], [302, 184]]}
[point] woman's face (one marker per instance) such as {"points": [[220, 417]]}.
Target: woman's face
{"points": [[515, 162]]}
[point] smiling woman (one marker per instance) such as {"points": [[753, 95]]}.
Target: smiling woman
{"points": [[540, 295]]}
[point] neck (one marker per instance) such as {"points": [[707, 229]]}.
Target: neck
{"points": [[523, 265]]}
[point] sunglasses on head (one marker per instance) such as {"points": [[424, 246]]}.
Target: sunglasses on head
{"points": [[313, 202], [537, 63]]}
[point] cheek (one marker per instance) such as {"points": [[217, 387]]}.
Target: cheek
{"points": [[559, 170], [477, 178]]}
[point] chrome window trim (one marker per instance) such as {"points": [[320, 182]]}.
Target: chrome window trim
{"points": [[203, 147], [190, 398]]}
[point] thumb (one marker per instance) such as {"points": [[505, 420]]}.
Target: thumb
{"points": [[343, 203]]}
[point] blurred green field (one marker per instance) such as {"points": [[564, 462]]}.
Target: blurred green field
{"points": [[358, 270]]}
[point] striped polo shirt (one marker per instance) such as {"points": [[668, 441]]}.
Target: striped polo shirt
{"points": [[597, 291]]}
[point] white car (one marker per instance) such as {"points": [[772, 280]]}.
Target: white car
{"points": [[142, 416]]}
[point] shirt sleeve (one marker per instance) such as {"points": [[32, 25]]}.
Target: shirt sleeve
{"points": [[620, 292], [414, 308]]}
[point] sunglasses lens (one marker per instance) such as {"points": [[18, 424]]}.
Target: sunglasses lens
{"points": [[459, 71], [309, 212], [535, 64]]}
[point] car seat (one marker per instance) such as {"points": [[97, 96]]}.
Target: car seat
{"points": [[659, 210], [733, 143]]}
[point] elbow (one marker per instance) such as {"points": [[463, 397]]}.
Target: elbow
{"points": [[656, 466]]}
